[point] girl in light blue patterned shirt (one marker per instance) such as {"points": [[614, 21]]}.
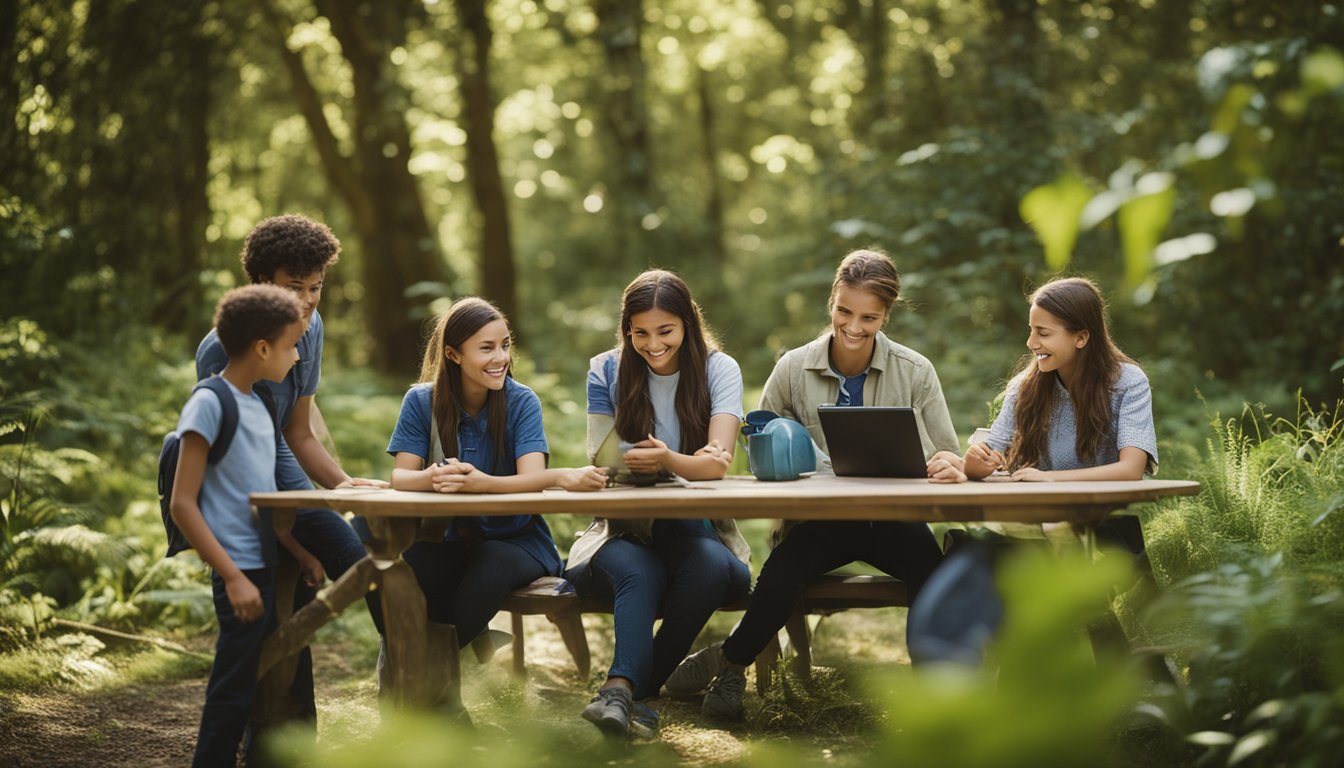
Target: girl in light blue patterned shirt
{"points": [[1080, 409]]}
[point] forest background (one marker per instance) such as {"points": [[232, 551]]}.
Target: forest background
{"points": [[1184, 153]]}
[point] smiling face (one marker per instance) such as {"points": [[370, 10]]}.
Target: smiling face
{"points": [[1053, 344], [656, 335], [308, 289], [282, 353], [484, 358], [856, 317]]}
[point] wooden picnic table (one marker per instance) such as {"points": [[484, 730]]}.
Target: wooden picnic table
{"points": [[417, 677]]}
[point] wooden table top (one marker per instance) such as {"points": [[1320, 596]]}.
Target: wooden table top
{"points": [[810, 498]]}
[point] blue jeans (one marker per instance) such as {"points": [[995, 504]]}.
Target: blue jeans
{"points": [[688, 575], [233, 678], [464, 582], [904, 550]]}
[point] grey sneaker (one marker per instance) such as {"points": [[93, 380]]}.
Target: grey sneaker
{"points": [[643, 721], [697, 671], [610, 711], [724, 699]]}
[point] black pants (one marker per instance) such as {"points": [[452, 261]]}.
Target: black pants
{"points": [[904, 550]]}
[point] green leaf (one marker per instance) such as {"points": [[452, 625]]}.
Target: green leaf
{"points": [[1322, 71], [1053, 212], [1141, 221], [1211, 738], [1250, 744], [1228, 116]]}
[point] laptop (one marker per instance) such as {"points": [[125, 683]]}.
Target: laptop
{"points": [[873, 441]]}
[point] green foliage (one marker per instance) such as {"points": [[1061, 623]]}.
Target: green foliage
{"points": [[1052, 211], [410, 740], [1051, 700], [1268, 485], [1264, 660]]}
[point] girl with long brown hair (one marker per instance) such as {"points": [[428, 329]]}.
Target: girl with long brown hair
{"points": [[667, 402], [1079, 409], [469, 427]]}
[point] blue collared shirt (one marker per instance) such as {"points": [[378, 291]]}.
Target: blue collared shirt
{"points": [[300, 382], [523, 434]]}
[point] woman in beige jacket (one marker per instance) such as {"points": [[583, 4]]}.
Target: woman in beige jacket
{"points": [[852, 364]]}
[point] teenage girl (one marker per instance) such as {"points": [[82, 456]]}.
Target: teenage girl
{"points": [[469, 427], [1079, 409], [853, 363], [673, 402]]}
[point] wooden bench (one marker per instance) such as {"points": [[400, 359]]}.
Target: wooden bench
{"points": [[554, 598]]}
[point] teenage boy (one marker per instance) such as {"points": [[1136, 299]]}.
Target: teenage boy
{"points": [[259, 327], [294, 252]]}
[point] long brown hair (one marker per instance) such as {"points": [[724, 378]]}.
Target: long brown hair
{"points": [[1078, 304], [659, 289], [459, 323]]}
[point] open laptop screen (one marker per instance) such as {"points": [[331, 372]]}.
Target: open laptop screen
{"points": [[873, 441]]}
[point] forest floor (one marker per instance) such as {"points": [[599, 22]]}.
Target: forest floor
{"points": [[152, 722]]}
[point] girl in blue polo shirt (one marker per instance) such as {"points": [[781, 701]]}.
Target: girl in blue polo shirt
{"points": [[468, 427], [1080, 409], [670, 403]]}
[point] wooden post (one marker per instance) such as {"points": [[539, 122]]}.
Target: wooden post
{"points": [[404, 616], [272, 704]]}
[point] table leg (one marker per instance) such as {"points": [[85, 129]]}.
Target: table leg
{"points": [[272, 704], [409, 675]]}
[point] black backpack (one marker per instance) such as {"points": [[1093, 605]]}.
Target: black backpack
{"points": [[172, 447]]}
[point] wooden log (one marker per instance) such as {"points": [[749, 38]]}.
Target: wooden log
{"points": [[407, 642], [519, 649], [290, 638], [272, 704], [443, 669]]}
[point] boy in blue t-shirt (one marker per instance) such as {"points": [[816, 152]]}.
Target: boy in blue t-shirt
{"points": [[259, 327], [294, 252]]}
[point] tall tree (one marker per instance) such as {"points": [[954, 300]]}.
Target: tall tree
{"points": [[498, 279], [399, 247], [634, 195], [106, 170]]}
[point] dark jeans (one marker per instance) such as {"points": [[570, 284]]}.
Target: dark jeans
{"points": [[904, 550], [334, 543], [233, 678], [464, 582], [690, 576]]}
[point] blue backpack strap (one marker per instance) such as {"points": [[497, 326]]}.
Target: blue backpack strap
{"points": [[228, 421]]}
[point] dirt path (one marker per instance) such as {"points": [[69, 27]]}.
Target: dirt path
{"points": [[154, 724]]}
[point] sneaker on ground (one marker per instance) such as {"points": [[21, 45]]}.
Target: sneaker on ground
{"points": [[643, 721], [610, 711], [697, 671], [724, 699]]}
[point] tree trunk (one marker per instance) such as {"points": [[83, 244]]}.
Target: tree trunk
{"points": [[716, 250], [192, 209], [399, 247], [632, 195], [498, 279]]}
